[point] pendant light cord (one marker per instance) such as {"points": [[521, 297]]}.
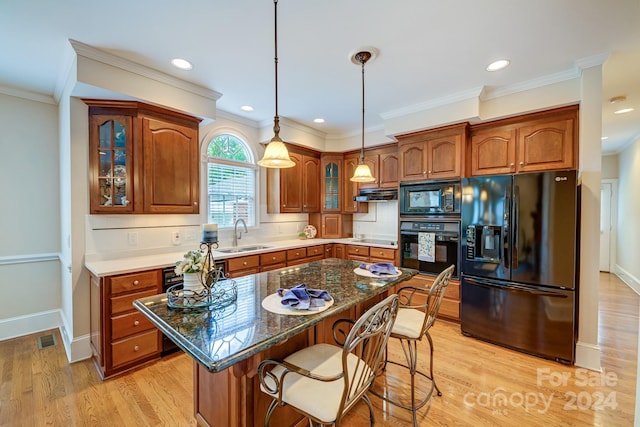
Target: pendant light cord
{"points": [[276, 119], [362, 61]]}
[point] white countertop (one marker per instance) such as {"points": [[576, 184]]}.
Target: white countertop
{"points": [[147, 262]]}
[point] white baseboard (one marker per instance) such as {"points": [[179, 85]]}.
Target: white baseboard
{"points": [[628, 278], [588, 356], [29, 324], [78, 348]]}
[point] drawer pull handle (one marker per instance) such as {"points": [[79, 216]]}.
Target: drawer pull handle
{"points": [[136, 348], [244, 263], [135, 283], [136, 323], [273, 258]]}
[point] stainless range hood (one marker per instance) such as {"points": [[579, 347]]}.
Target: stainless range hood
{"points": [[376, 195]]}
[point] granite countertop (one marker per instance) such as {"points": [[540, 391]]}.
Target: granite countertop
{"points": [[131, 264], [219, 338]]}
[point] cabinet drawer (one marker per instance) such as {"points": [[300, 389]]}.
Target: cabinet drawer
{"points": [[313, 251], [243, 263], [135, 347], [134, 282], [240, 273], [453, 291], [293, 254], [358, 250], [382, 253], [358, 258], [129, 324], [273, 266], [125, 302], [273, 258], [450, 309]]}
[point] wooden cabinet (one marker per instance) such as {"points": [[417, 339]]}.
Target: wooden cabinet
{"points": [[142, 159], [339, 251], [299, 185], [384, 164], [331, 182], [450, 307], [357, 253], [273, 260], [536, 142], [331, 226], [350, 189], [371, 254], [241, 266], [433, 154], [121, 337]]}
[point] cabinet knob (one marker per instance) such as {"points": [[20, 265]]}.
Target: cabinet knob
{"points": [[136, 348], [429, 171], [136, 323], [305, 206], [273, 258], [195, 203], [357, 250], [284, 206], [521, 163], [135, 283], [424, 172], [244, 263], [511, 164]]}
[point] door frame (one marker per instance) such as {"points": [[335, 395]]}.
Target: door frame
{"points": [[614, 223]]}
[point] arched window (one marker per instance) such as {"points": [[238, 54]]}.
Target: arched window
{"points": [[231, 181]]}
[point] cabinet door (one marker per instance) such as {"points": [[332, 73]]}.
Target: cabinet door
{"points": [[350, 188], [111, 164], [310, 184], [291, 186], [388, 162], [171, 172], [331, 183], [546, 146], [339, 250], [493, 152], [444, 157], [413, 161], [331, 226]]}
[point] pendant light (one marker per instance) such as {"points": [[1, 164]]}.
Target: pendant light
{"points": [[276, 154], [362, 172]]}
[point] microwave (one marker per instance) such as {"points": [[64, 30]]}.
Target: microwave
{"points": [[434, 198]]}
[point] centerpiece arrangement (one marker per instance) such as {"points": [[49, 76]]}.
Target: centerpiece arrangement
{"points": [[203, 285]]}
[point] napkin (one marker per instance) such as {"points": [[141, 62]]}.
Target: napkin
{"points": [[302, 298], [380, 268]]}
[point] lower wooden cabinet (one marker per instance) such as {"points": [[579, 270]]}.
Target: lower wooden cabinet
{"points": [[121, 337], [450, 307]]}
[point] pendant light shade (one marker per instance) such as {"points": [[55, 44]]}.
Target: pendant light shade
{"points": [[276, 154], [362, 172]]}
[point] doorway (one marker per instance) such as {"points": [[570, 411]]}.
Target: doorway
{"points": [[608, 220]]}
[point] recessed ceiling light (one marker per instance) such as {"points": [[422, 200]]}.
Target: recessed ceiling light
{"points": [[318, 120], [498, 65], [246, 108], [604, 138], [183, 64], [623, 110]]}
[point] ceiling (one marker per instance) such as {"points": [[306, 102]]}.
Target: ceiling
{"points": [[429, 51]]}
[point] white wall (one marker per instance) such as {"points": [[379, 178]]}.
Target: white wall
{"points": [[29, 247], [628, 239]]}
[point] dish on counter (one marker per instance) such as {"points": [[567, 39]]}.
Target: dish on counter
{"points": [[310, 231]]}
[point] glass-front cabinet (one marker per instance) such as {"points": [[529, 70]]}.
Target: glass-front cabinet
{"points": [[331, 183], [112, 158]]}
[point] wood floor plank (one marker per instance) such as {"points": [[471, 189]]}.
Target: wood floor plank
{"points": [[482, 384]]}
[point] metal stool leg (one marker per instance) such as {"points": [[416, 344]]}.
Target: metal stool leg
{"points": [[431, 363]]}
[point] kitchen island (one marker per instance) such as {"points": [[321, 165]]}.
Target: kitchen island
{"points": [[228, 343]]}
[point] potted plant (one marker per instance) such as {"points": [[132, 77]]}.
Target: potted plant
{"points": [[191, 267]]}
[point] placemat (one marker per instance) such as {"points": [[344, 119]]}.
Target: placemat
{"points": [[272, 303]]}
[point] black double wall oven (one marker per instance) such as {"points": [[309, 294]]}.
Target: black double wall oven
{"points": [[430, 226]]}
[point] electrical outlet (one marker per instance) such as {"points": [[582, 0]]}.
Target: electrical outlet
{"points": [[132, 238], [175, 237]]}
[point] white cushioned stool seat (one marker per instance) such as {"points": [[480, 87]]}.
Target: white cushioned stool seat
{"points": [[408, 323]]}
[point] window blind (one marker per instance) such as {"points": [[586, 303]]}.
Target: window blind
{"points": [[231, 191]]}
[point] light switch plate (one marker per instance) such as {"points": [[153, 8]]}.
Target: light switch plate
{"points": [[132, 238], [175, 237]]}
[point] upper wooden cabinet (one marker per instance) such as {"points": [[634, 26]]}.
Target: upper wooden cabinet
{"points": [[142, 159], [433, 154], [532, 143], [299, 185], [331, 177], [384, 164]]}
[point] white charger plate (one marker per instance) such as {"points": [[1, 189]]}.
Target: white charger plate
{"points": [[272, 303], [366, 273]]}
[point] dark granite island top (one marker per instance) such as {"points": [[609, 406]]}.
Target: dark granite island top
{"points": [[218, 339]]}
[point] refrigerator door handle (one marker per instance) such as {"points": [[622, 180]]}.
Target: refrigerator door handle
{"points": [[516, 232], [514, 287], [505, 237]]}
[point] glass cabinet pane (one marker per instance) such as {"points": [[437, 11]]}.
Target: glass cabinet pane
{"points": [[112, 155], [332, 184]]}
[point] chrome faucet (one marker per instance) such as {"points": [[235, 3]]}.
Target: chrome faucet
{"points": [[237, 235]]}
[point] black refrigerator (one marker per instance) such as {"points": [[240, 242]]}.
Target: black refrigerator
{"points": [[519, 245]]}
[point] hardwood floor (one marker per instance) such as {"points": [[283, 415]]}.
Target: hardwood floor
{"points": [[482, 384]]}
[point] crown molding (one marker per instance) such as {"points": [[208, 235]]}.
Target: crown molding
{"points": [[295, 125], [492, 93], [239, 119], [26, 94], [438, 102], [592, 61], [90, 52]]}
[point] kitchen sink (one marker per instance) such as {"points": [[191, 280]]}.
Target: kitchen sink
{"points": [[243, 249]]}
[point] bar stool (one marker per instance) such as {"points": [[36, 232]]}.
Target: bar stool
{"points": [[413, 321]]}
